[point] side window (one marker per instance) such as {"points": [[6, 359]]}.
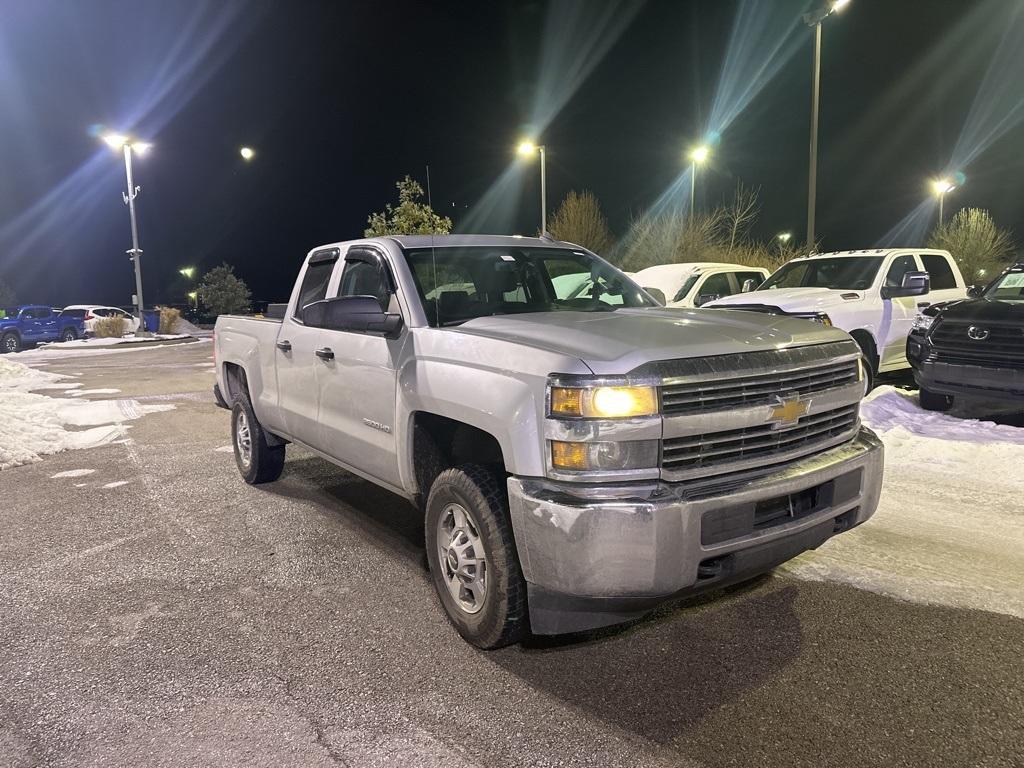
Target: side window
{"points": [[361, 278], [39, 313], [940, 272], [716, 285], [742, 277], [900, 267], [314, 283]]}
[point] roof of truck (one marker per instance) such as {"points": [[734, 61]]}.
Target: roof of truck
{"points": [[442, 241], [872, 252]]}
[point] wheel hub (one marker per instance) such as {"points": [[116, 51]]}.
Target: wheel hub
{"points": [[462, 558], [243, 439]]}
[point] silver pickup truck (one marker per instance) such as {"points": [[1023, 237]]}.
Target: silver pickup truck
{"points": [[579, 453]]}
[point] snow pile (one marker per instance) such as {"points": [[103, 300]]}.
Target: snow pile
{"points": [[94, 342], [950, 524], [33, 425], [17, 377]]}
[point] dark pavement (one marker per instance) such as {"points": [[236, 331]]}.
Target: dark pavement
{"points": [[186, 619]]}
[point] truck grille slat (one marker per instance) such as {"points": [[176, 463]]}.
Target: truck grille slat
{"points": [[755, 389], [1004, 347], [713, 449]]}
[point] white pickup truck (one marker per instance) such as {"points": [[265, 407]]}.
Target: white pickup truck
{"points": [[873, 295], [579, 457], [696, 283]]}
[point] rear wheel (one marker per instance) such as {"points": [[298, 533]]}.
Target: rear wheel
{"points": [[934, 401], [472, 556], [10, 342], [257, 460], [68, 334]]}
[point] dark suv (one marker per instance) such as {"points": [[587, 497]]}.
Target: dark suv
{"points": [[974, 346]]}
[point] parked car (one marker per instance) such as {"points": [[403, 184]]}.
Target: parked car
{"points": [[874, 295], [90, 313], [972, 347], [697, 283], [578, 460], [31, 324]]}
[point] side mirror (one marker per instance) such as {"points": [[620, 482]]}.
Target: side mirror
{"points": [[356, 314], [748, 286], [975, 291], [657, 294], [914, 284]]}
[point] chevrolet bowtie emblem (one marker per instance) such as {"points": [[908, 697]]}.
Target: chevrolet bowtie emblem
{"points": [[787, 411]]}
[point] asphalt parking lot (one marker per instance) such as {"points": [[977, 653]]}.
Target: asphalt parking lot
{"points": [[159, 612]]}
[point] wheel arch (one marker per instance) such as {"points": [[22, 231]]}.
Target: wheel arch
{"points": [[440, 442]]}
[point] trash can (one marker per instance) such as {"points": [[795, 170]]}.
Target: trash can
{"points": [[151, 317]]}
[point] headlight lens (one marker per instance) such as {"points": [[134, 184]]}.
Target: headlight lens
{"points": [[581, 457], [923, 322], [604, 402]]}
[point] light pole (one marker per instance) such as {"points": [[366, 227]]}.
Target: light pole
{"points": [[189, 273], [128, 145], [698, 156], [528, 149], [814, 19], [940, 188]]}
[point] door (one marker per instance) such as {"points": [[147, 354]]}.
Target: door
{"points": [[295, 352], [711, 287], [39, 324], [943, 282], [897, 315], [358, 387]]}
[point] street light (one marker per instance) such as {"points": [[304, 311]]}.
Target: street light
{"points": [[188, 272], [814, 19], [940, 188], [528, 148], [247, 153], [194, 297], [698, 156], [128, 145], [783, 238]]}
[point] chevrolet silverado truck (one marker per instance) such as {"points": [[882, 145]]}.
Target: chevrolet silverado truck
{"points": [[973, 347], [578, 459], [873, 295], [33, 324]]}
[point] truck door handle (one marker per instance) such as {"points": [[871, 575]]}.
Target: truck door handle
{"points": [[325, 353], [284, 346]]}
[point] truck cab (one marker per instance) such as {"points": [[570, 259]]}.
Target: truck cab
{"points": [[874, 295], [693, 284]]}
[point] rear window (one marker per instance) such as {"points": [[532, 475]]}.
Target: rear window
{"points": [[939, 271]]}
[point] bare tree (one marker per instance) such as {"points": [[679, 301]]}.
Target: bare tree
{"points": [[579, 220], [740, 214], [979, 247]]}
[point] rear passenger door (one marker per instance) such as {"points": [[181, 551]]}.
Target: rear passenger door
{"points": [[295, 357], [358, 395]]}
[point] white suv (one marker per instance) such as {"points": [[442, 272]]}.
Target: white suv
{"points": [[696, 283], [90, 313], [874, 295]]}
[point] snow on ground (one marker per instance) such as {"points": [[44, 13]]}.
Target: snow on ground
{"points": [[94, 342], [44, 354], [950, 524], [34, 425]]}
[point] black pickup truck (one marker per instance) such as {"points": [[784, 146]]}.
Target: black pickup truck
{"points": [[972, 347]]}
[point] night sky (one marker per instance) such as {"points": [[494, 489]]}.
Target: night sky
{"points": [[340, 99]]}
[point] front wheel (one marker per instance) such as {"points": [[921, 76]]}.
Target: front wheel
{"points": [[934, 401], [472, 556], [257, 460], [10, 342]]}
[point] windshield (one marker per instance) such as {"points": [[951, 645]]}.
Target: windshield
{"points": [[845, 273], [460, 284], [1009, 287], [682, 292]]}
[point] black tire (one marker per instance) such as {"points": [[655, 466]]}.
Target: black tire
{"points": [[870, 374], [265, 462], [68, 334], [10, 342], [934, 401], [502, 618]]}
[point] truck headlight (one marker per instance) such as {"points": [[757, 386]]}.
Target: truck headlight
{"points": [[604, 402], [629, 454], [922, 323]]}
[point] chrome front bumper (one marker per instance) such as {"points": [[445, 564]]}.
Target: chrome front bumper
{"points": [[596, 556]]}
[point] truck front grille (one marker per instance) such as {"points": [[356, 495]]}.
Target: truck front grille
{"points": [[756, 389], [710, 450], [1003, 348]]}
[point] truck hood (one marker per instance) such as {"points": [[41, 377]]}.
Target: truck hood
{"points": [[982, 310], [614, 343], [792, 299]]}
